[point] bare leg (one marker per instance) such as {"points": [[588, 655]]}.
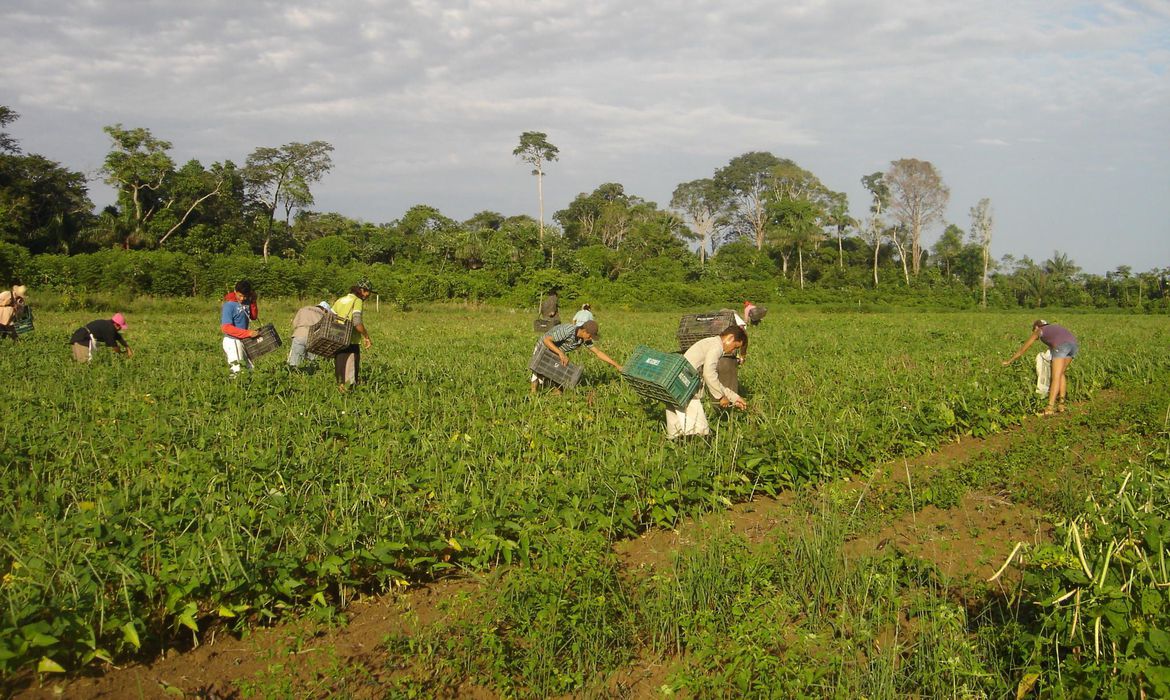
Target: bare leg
{"points": [[1056, 386]]}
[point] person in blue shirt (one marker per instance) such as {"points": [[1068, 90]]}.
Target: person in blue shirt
{"points": [[239, 308]]}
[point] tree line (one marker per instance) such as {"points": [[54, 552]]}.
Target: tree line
{"points": [[760, 220]]}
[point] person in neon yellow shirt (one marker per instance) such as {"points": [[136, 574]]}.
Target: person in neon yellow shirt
{"points": [[348, 360]]}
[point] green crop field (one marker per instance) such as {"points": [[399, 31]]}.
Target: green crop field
{"points": [[148, 498]]}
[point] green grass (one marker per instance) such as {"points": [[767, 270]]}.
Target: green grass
{"points": [[152, 497]]}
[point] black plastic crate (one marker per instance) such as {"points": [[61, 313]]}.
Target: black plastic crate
{"points": [[330, 334], [543, 325], [694, 327], [546, 364], [261, 345]]}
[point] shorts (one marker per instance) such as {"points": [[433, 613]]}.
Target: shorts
{"points": [[1068, 350]]}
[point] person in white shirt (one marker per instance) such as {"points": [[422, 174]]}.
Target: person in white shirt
{"points": [[704, 356], [585, 314]]}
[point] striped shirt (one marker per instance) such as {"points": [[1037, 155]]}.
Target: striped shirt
{"points": [[565, 337]]}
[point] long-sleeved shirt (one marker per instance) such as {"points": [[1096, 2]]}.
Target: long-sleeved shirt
{"points": [[304, 319], [704, 357], [253, 309], [233, 319], [103, 331]]}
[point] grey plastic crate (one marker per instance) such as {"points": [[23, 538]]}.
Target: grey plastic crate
{"points": [[546, 364]]}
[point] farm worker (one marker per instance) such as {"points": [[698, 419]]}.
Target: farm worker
{"points": [[305, 318], [704, 356], [550, 307], [348, 360], [1064, 347], [239, 308], [244, 294], [729, 364], [753, 313], [12, 303], [585, 314], [566, 338], [108, 331]]}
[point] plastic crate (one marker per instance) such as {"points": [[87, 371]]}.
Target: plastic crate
{"points": [[330, 334], [23, 323], [543, 325], [662, 376], [694, 327], [546, 364], [261, 345]]}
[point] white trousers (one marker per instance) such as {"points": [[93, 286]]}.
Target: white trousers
{"points": [[1043, 372], [692, 421], [236, 357]]}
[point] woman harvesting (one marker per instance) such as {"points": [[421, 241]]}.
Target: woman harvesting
{"points": [[1064, 348]]}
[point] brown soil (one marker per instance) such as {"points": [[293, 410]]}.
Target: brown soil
{"points": [[968, 542]]}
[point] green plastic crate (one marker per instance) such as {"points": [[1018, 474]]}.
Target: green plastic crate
{"points": [[661, 376]]}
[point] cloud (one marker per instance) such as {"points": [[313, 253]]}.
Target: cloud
{"points": [[429, 96]]}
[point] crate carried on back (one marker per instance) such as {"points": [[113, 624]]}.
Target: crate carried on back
{"points": [[694, 327], [546, 364], [261, 345], [329, 335], [662, 376]]}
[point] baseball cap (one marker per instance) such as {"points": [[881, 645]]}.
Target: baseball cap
{"points": [[325, 305], [119, 320], [365, 284], [591, 328]]}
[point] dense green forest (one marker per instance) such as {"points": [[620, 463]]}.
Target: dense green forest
{"points": [[760, 227]]}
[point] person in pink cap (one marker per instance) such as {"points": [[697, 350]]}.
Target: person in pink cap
{"points": [[107, 331]]}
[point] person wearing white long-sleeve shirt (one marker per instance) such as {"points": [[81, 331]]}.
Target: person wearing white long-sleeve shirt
{"points": [[704, 356]]}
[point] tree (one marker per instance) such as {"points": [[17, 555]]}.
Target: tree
{"points": [[745, 182], [7, 143], [43, 206], [192, 186], [981, 225], [535, 150], [948, 248], [795, 223], [838, 217], [137, 166], [874, 231], [918, 199], [275, 177], [703, 205]]}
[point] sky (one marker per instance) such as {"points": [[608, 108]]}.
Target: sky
{"points": [[1057, 111]]}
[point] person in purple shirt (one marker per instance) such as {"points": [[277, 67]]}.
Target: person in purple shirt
{"points": [[1064, 348]]}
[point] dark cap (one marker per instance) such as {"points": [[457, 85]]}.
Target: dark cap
{"points": [[365, 284], [591, 328]]}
